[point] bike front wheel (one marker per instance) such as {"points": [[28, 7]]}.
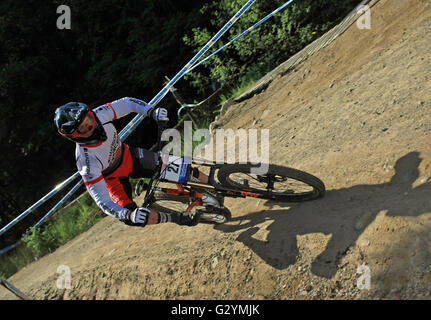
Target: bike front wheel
{"points": [[173, 203], [276, 183]]}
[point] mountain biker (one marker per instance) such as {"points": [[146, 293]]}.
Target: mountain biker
{"points": [[106, 163]]}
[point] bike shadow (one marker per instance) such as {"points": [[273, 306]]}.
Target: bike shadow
{"points": [[343, 213]]}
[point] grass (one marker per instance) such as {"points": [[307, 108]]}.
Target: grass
{"points": [[244, 84], [66, 224]]}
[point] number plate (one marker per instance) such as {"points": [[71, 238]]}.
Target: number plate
{"points": [[175, 168]]}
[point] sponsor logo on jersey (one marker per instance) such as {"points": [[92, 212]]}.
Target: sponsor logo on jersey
{"points": [[87, 172]]}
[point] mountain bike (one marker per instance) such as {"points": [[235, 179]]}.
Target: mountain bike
{"points": [[235, 180]]}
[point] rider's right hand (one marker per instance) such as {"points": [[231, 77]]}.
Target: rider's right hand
{"points": [[160, 114], [137, 216]]}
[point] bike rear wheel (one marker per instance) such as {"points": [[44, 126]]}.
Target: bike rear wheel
{"points": [[173, 204], [278, 183]]}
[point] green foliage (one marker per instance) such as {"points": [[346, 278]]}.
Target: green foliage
{"points": [[267, 46], [244, 83], [12, 262], [68, 223]]}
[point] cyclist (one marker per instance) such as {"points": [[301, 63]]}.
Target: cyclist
{"points": [[106, 163]]}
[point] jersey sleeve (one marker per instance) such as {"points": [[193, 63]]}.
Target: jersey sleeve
{"points": [[99, 192], [120, 108], [91, 173]]}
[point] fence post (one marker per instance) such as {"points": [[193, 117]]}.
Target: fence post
{"points": [[180, 101]]}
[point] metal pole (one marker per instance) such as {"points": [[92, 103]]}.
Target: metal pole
{"points": [[14, 290], [135, 121], [180, 101], [39, 203], [245, 32]]}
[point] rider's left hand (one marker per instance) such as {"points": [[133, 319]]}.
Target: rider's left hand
{"points": [[160, 114]]}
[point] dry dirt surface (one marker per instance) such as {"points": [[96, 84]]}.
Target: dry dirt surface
{"points": [[357, 115]]}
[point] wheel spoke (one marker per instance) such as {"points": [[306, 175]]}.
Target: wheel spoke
{"points": [[279, 182], [272, 183]]}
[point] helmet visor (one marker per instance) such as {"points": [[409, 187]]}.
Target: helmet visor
{"points": [[75, 116]]}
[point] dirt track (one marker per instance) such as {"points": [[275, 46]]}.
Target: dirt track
{"points": [[357, 115]]}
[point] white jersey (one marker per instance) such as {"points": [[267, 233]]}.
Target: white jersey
{"points": [[91, 160]]}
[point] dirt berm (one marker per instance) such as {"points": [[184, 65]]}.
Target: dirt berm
{"points": [[357, 114]]}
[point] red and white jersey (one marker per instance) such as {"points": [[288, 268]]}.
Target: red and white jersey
{"points": [[92, 160]]}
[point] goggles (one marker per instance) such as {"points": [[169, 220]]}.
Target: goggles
{"points": [[74, 129]]}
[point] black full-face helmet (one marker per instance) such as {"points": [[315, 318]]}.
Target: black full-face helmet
{"points": [[68, 118]]}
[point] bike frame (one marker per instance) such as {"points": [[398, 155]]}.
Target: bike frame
{"points": [[183, 189], [186, 189]]}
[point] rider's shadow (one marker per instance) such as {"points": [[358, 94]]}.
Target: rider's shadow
{"points": [[344, 214]]}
